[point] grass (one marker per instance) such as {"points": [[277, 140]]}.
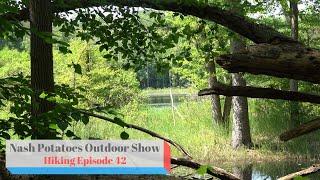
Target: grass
{"points": [[191, 126]]}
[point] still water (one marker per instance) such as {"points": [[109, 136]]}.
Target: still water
{"points": [[269, 170]]}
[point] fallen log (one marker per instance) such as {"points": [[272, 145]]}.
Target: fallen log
{"points": [[310, 170], [213, 171], [304, 128], [283, 60], [257, 92]]}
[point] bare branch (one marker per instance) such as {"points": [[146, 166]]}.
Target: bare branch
{"points": [[257, 92], [132, 126]]}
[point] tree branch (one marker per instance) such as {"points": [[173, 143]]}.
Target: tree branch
{"points": [[214, 171], [132, 126], [301, 130], [258, 33], [256, 92], [310, 170]]}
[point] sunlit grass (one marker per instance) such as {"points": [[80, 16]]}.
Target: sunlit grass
{"points": [[191, 126]]}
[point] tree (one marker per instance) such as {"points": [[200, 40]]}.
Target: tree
{"points": [[215, 99], [294, 106], [41, 59], [257, 33], [241, 129]]}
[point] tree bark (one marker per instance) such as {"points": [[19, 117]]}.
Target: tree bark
{"points": [[303, 129], [227, 103], [294, 106], [256, 92], [241, 135], [227, 109], [41, 59], [282, 60], [215, 99]]}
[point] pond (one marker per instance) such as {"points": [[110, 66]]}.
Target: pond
{"points": [[268, 170], [163, 100]]}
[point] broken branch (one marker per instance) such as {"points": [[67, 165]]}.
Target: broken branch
{"points": [[257, 92], [301, 130]]}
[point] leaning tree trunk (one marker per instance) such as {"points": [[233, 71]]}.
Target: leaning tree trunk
{"points": [[294, 106], [215, 99], [241, 129], [41, 59]]}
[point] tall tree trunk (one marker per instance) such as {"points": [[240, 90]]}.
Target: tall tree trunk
{"points": [[41, 58], [294, 106], [241, 135], [215, 99]]}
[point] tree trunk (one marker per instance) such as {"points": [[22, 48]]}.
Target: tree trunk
{"points": [[215, 99], [294, 106], [227, 102], [227, 109], [241, 128], [41, 59]]}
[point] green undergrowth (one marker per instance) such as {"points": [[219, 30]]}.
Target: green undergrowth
{"points": [[190, 125]]}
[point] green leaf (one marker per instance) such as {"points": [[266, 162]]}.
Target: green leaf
{"points": [[203, 169], [53, 126], [7, 136], [63, 125], [76, 116], [43, 95], [85, 119], [124, 135], [107, 56], [119, 121], [77, 68], [64, 50], [70, 134]]}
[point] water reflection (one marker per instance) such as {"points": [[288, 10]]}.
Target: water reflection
{"points": [[269, 170], [243, 172]]}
